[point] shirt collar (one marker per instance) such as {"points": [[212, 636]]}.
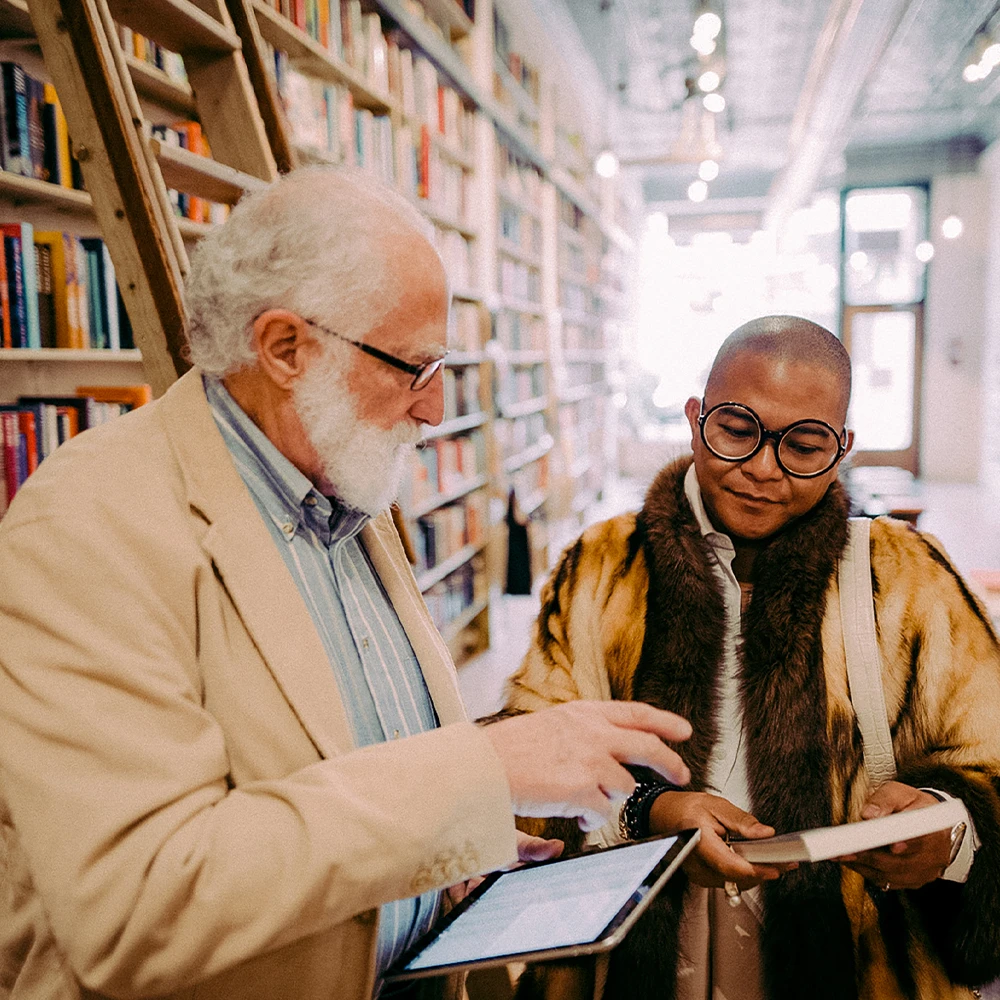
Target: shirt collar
{"points": [[692, 490], [287, 496]]}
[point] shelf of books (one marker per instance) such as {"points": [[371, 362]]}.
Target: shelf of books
{"points": [[67, 350], [523, 433], [359, 92], [67, 355], [581, 378]]}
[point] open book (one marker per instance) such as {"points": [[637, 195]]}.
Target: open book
{"points": [[850, 838]]}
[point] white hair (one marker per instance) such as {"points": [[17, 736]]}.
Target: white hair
{"points": [[314, 242]]}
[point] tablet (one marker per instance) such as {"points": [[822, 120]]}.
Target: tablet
{"points": [[569, 906]]}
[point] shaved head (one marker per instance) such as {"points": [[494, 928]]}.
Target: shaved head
{"points": [[788, 339]]}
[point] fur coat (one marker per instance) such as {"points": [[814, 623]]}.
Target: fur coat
{"points": [[634, 611]]}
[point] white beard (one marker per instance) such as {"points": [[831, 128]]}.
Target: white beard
{"points": [[364, 464]]}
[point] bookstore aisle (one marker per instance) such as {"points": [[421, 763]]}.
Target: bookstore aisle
{"points": [[468, 110]]}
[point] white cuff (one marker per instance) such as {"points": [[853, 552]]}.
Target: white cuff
{"points": [[958, 870]]}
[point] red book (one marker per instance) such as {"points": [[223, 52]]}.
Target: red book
{"points": [[299, 13], [441, 110], [5, 340], [424, 188], [26, 425], [11, 435]]}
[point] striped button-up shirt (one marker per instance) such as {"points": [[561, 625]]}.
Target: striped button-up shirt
{"points": [[381, 684]]}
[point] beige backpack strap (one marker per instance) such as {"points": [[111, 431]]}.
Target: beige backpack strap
{"points": [[864, 663]]}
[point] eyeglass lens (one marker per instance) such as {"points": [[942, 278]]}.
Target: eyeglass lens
{"points": [[426, 373], [807, 449]]}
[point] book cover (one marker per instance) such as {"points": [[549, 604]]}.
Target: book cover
{"points": [[335, 42], [827, 842], [77, 404], [81, 287], [36, 135], [15, 140], [124, 323], [56, 254], [346, 36], [46, 299], [10, 438], [59, 155], [24, 233], [15, 291], [4, 302]]}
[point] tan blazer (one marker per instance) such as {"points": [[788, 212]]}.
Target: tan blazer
{"points": [[182, 811]]}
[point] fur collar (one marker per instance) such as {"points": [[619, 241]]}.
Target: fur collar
{"points": [[787, 745]]}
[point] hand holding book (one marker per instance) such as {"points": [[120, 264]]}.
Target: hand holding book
{"points": [[908, 864], [903, 841], [712, 863]]}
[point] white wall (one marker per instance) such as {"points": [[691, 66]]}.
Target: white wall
{"points": [[952, 418]]}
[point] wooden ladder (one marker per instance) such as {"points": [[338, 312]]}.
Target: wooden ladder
{"points": [[126, 172]]}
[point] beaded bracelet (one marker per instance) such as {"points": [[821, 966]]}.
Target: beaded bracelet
{"points": [[633, 818]]}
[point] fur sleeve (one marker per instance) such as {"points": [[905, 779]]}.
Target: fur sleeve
{"points": [[943, 697]]}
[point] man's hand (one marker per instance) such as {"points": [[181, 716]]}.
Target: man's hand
{"points": [[567, 760], [712, 863], [907, 864], [528, 849]]}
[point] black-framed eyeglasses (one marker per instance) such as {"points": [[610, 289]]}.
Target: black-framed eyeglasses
{"points": [[422, 374], [804, 449]]}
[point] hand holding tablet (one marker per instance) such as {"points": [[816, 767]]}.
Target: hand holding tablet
{"points": [[554, 909]]}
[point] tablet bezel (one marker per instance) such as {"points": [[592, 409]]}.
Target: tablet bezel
{"points": [[609, 937]]}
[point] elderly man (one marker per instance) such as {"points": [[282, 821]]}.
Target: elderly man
{"points": [[233, 758], [720, 597]]}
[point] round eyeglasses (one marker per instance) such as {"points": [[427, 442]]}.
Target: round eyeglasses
{"points": [[804, 449], [422, 374]]}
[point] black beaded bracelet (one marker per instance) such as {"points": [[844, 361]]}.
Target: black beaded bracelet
{"points": [[633, 818]]}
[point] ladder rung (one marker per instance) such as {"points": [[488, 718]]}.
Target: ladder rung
{"points": [[201, 175], [313, 59], [177, 25], [156, 86]]}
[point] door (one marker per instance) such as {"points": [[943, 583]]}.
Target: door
{"points": [[886, 345]]}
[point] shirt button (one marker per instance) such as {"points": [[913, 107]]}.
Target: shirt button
{"points": [[311, 501], [288, 528], [395, 734], [364, 643]]}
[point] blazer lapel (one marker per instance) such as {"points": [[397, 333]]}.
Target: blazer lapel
{"points": [[252, 569], [387, 557]]}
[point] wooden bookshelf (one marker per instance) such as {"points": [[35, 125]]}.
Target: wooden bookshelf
{"points": [[456, 426], [66, 355], [201, 175], [450, 497], [158, 88], [177, 25], [311, 58], [465, 554]]}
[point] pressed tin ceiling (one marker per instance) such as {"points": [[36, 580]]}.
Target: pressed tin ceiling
{"points": [[808, 84]]}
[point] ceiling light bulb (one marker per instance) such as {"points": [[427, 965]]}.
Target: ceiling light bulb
{"points": [[606, 164], [859, 260], [709, 81], [715, 103], [991, 56], [698, 191], [924, 251], [708, 170], [952, 227], [708, 25], [972, 73], [703, 45]]}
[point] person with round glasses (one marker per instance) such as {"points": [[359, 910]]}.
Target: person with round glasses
{"points": [[720, 598]]}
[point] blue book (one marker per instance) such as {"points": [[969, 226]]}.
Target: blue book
{"points": [[16, 142], [25, 233]]}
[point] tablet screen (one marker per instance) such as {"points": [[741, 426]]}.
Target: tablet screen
{"points": [[546, 906]]}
